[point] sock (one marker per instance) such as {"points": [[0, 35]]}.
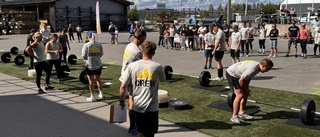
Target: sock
{"points": [[132, 117], [100, 92], [260, 50], [233, 61], [220, 72]]}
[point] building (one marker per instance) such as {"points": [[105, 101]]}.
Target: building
{"points": [[301, 6], [60, 13], [152, 13]]}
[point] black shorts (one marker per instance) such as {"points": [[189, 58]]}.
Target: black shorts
{"points": [[233, 82], [147, 123], [218, 55], [233, 53], [93, 72]]}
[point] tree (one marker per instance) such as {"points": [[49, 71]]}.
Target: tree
{"points": [[133, 14], [147, 17], [269, 8], [161, 16], [210, 8]]}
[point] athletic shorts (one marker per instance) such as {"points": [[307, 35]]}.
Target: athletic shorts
{"points": [[292, 41], [201, 39], [273, 43], [233, 82], [208, 53], [113, 35], [233, 53], [147, 123], [218, 55], [93, 72]]}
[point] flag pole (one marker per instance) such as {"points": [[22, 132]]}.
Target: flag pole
{"points": [[98, 26]]}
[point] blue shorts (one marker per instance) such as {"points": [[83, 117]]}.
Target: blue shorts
{"points": [[273, 43], [112, 35], [201, 39], [292, 40], [208, 53]]}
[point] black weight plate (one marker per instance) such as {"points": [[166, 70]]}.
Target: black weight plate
{"points": [[167, 70], [178, 104], [72, 59], [6, 57], [64, 69], [25, 53], [230, 99], [14, 50], [307, 111], [19, 60], [204, 78], [83, 77]]}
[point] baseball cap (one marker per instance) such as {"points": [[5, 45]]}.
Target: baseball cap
{"points": [[89, 33]]}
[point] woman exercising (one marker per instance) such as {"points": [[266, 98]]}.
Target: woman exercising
{"points": [[53, 49]]}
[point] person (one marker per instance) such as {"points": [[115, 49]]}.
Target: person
{"points": [[70, 32], [92, 53], [172, 30], [29, 41], [166, 35], [190, 35], [234, 46], [303, 37], [239, 76], [244, 31], [261, 14], [177, 41], [79, 33], [274, 34], [53, 49], [318, 12], [116, 33], [209, 40], [131, 54], [262, 39], [314, 24], [218, 50], [293, 36], [316, 41], [202, 31], [226, 30], [112, 29], [63, 40], [37, 50], [144, 75], [46, 33], [143, 27], [161, 31], [195, 29], [183, 41], [131, 29], [293, 14], [252, 31], [283, 13]]}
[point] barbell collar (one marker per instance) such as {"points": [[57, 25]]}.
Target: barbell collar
{"points": [[67, 72]]}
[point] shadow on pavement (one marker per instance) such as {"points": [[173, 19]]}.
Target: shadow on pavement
{"points": [[210, 125]]}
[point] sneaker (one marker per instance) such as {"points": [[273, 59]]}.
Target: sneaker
{"points": [[263, 53], [60, 81], [296, 56], [48, 88], [217, 79], [236, 120], [287, 55], [221, 78], [270, 55], [200, 51], [91, 99], [205, 67], [241, 55], [251, 51], [211, 67], [40, 91], [247, 56], [245, 116], [100, 96], [133, 131], [274, 55]]}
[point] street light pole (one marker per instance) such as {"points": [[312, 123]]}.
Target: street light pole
{"points": [[229, 11], [246, 8]]}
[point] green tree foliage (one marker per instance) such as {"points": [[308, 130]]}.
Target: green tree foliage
{"points": [[269, 8], [161, 16], [147, 17], [133, 14], [210, 7]]}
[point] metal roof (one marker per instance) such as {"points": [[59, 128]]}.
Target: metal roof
{"points": [[12, 2]]}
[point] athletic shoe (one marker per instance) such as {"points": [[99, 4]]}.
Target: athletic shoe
{"points": [[247, 56], [100, 96], [200, 51], [296, 56], [245, 116], [251, 51], [217, 79], [287, 55], [205, 67], [133, 131], [48, 88], [270, 55], [91, 99], [40, 91], [211, 67], [274, 55], [236, 120], [263, 53], [60, 81], [241, 55]]}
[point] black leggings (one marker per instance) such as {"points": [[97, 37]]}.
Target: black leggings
{"points": [[243, 42], [315, 48], [39, 67], [303, 44], [160, 40], [57, 64], [64, 53], [250, 43], [79, 36], [172, 41], [190, 42], [31, 62], [71, 36], [262, 43]]}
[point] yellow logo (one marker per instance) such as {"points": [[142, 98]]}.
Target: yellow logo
{"points": [[126, 54], [145, 74], [94, 49], [249, 61]]}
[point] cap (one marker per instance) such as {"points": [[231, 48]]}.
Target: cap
{"points": [[89, 33]]}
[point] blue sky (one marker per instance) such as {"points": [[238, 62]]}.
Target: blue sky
{"points": [[202, 4]]}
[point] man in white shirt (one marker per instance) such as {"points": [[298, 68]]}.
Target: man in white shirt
{"points": [[46, 33], [202, 31]]}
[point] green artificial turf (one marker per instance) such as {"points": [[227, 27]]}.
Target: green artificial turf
{"points": [[269, 122]]}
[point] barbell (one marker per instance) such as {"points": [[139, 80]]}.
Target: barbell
{"points": [[65, 71], [18, 60], [307, 110], [14, 50], [83, 76], [72, 59], [205, 78], [168, 71]]}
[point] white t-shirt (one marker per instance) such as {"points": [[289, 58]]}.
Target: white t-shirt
{"points": [[262, 33], [246, 69], [131, 53], [244, 32], [210, 37], [235, 37], [144, 75], [221, 35], [46, 33], [204, 29]]}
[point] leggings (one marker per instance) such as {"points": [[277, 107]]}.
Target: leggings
{"points": [[39, 67], [160, 40], [172, 41], [71, 36], [79, 36], [64, 54], [250, 43], [57, 64], [262, 43], [315, 48], [303, 44], [243, 42], [190, 42]]}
